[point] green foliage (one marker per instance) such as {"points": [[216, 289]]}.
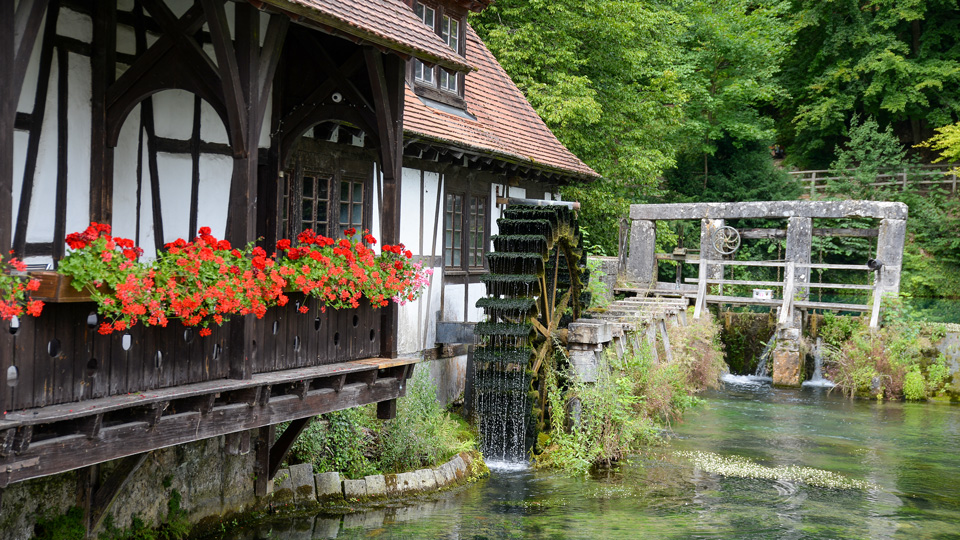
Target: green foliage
{"points": [[895, 61], [946, 142], [354, 443], [336, 442], [422, 434], [600, 293], [631, 401], [868, 152], [68, 526], [892, 362]]}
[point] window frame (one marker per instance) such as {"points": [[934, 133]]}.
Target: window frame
{"points": [[441, 84], [469, 251]]}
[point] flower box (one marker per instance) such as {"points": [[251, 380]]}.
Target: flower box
{"points": [[57, 288]]}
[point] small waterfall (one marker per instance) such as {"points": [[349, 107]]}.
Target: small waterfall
{"points": [[761, 370], [817, 378]]}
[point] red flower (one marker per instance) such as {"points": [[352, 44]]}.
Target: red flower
{"points": [[204, 332], [283, 244], [204, 231], [350, 232]]}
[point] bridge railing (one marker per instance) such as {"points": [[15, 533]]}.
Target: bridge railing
{"points": [[791, 287], [925, 176]]}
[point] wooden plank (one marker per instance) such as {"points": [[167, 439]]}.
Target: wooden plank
{"points": [[280, 449], [781, 283], [61, 412], [786, 310], [107, 493], [195, 162], [63, 113], [701, 290], [773, 210], [877, 299]]}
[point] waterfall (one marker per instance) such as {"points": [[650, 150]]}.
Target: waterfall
{"points": [[761, 370], [817, 378]]}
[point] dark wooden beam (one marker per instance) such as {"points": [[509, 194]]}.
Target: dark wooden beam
{"points": [[195, 163], [63, 453], [265, 438], [106, 494], [387, 410], [782, 233], [28, 18], [280, 449], [63, 120], [229, 70], [8, 120], [103, 64]]}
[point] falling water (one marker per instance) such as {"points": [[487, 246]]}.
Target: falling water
{"points": [[817, 378], [762, 363]]}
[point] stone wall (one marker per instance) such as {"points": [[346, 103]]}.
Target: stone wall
{"points": [[211, 481]]}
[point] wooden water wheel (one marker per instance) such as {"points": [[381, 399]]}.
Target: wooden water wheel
{"points": [[534, 289]]}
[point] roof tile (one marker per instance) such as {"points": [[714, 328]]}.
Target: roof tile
{"points": [[505, 124], [390, 23]]}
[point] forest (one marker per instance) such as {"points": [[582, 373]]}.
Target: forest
{"points": [[715, 100]]}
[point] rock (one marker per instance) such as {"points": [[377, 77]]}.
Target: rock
{"points": [[325, 527], [328, 486], [376, 485], [428, 481], [354, 489], [302, 482]]}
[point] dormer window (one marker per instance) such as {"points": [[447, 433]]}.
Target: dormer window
{"points": [[428, 15], [438, 83]]}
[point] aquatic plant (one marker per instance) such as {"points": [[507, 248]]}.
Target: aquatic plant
{"points": [[741, 467]]}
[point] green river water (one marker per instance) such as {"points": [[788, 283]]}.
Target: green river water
{"points": [[908, 454]]}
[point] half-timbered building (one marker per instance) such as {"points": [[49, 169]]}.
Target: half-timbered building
{"points": [[259, 119]]}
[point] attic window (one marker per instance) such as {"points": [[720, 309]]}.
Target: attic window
{"points": [[437, 83], [429, 16]]}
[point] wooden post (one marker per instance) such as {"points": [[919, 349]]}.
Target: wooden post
{"points": [[8, 114], [103, 62], [701, 289], [877, 298], [386, 73], [813, 184], [799, 244], [786, 310]]}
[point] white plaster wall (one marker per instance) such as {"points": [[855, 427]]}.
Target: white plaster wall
{"points": [[376, 191], [173, 114], [20, 140], [476, 292], [411, 214], [29, 90], [453, 307], [75, 25], [79, 96], [125, 181], [126, 39], [175, 179], [417, 320], [212, 129], [42, 203], [214, 193], [432, 231]]}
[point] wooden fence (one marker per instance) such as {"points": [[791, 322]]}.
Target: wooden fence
{"points": [[925, 176]]}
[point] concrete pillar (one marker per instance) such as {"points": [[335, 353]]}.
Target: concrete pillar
{"points": [[707, 251], [585, 341], [890, 240], [799, 244], [642, 260]]}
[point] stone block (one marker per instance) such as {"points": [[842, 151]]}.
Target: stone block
{"points": [[584, 364], [641, 264], [326, 528], [428, 480], [407, 482], [354, 489], [589, 332], [787, 367], [376, 485], [328, 485], [302, 482]]}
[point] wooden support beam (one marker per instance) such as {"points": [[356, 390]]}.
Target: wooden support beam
{"points": [[265, 438], [387, 410], [103, 64], [8, 118], [107, 493], [280, 449]]}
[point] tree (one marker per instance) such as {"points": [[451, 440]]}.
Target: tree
{"points": [[897, 61], [732, 55], [947, 143]]}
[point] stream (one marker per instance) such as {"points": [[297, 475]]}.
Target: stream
{"points": [[902, 461]]}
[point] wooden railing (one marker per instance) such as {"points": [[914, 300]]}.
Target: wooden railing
{"points": [[925, 176], [790, 287]]}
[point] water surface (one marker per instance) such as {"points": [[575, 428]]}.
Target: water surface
{"points": [[909, 452]]}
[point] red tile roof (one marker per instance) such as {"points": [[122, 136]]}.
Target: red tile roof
{"points": [[505, 125], [389, 23]]}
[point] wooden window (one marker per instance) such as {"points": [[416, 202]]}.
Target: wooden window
{"points": [[453, 231], [421, 71], [465, 231], [351, 205], [315, 203]]}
